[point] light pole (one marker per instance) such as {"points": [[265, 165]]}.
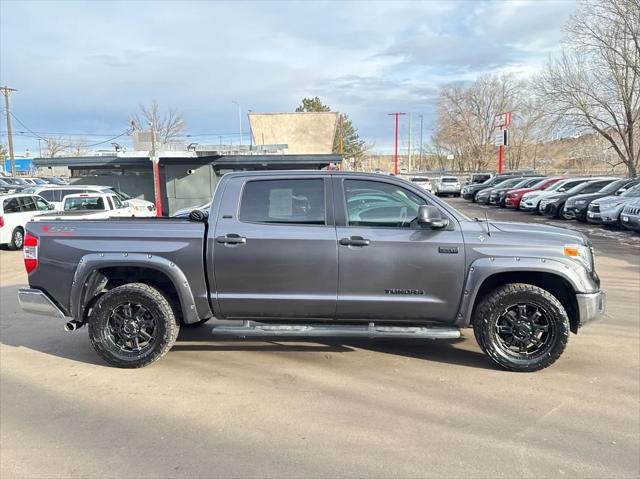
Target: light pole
{"points": [[395, 160], [421, 118], [239, 119]]}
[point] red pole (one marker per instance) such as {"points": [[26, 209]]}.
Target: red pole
{"points": [[395, 161], [156, 188], [500, 159]]}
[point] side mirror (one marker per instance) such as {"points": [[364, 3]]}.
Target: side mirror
{"points": [[126, 204], [560, 190], [51, 207], [430, 216], [620, 191]]}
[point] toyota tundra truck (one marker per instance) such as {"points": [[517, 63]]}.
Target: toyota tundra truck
{"points": [[315, 254]]}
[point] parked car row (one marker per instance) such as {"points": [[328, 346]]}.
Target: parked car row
{"points": [[10, 184], [599, 200], [75, 202]]}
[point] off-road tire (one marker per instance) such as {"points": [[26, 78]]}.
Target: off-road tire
{"points": [[155, 302], [17, 239], [490, 311]]}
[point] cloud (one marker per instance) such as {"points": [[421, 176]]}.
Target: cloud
{"points": [[85, 66]]}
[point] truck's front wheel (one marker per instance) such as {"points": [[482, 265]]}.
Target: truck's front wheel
{"points": [[521, 327], [133, 325]]}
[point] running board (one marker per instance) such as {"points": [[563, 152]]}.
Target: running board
{"points": [[253, 329]]}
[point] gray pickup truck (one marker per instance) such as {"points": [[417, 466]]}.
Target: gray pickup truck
{"points": [[315, 254]]}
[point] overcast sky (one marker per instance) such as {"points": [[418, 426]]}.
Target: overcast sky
{"points": [[83, 67]]}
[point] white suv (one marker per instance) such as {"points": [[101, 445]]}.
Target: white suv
{"points": [[448, 185], [15, 211]]}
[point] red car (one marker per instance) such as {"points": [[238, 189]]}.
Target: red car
{"points": [[513, 197]]}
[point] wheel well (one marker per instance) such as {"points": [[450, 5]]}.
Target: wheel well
{"points": [[104, 279], [556, 285]]}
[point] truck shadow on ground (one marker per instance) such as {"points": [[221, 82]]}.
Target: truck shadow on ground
{"points": [[441, 351]]}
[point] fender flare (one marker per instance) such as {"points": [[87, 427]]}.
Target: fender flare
{"points": [[483, 268], [91, 263]]}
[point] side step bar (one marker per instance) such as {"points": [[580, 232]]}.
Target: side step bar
{"points": [[253, 329]]}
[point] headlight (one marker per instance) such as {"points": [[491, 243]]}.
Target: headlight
{"points": [[580, 202], [581, 254]]}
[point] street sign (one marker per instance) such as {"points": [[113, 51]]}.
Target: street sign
{"points": [[501, 138], [503, 120]]}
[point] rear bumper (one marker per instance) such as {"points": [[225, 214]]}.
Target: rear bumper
{"points": [[591, 306], [35, 301]]}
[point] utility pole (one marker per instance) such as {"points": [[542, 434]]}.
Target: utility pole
{"points": [[421, 118], [6, 90], [410, 156], [239, 120], [395, 160], [340, 138]]}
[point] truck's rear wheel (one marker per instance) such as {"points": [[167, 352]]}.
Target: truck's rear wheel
{"points": [[133, 325], [521, 327]]}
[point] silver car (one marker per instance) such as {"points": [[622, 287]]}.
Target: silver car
{"points": [[607, 210]]}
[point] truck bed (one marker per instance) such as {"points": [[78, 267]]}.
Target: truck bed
{"points": [[65, 245]]}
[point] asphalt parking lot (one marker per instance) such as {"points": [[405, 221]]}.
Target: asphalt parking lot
{"points": [[361, 408]]}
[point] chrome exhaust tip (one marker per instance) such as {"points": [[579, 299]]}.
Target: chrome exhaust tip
{"points": [[72, 326]]}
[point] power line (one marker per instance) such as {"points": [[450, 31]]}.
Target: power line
{"points": [[126, 132]]}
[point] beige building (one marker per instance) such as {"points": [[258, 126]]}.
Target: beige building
{"points": [[303, 133]]}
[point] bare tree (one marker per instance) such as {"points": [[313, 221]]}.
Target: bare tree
{"points": [[466, 119], [79, 148], [170, 126], [594, 85], [54, 146]]}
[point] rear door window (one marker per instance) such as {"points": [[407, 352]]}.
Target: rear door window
{"points": [[294, 201], [28, 204], [11, 205]]}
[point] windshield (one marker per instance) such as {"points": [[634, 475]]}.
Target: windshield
{"points": [[511, 182], [449, 180], [55, 181], [577, 188], [38, 181], [29, 190], [632, 193], [557, 184], [18, 181], [420, 180], [613, 187], [539, 183]]}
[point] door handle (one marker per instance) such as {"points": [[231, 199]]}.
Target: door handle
{"points": [[231, 239], [355, 241]]}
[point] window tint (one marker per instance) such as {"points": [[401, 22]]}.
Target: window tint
{"points": [[27, 203], [284, 201], [117, 202], [47, 194], [84, 204], [595, 186], [11, 205], [40, 203], [372, 203]]}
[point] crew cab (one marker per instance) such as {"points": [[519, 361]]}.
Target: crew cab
{"points": [[315, 254]]}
